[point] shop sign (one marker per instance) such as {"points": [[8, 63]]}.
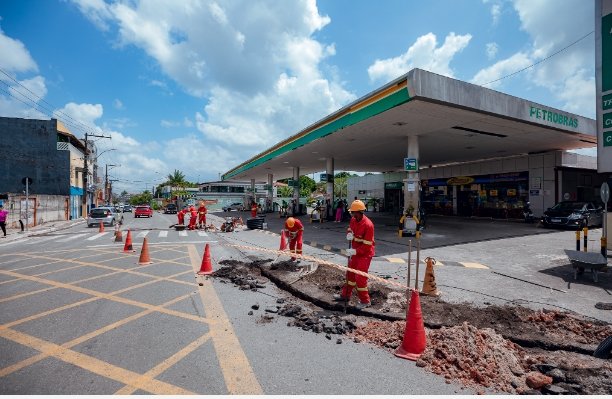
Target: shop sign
{"points": [[326, 177], [607, 139], [411, 164], [459, 180], [511, 192], [493, 193], [606, 102], [483, 193], [534, 193], [536, 182], [394, 185], [607, 121], [551, 116], [412, 187], [603, 79]]}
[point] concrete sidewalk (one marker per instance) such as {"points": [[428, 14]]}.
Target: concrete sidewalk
{"points": [[13, 234]]}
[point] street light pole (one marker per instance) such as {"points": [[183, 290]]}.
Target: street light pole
{"points": [[107, 193]]}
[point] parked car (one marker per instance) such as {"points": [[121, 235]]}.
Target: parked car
{"points": [[170, 208], [235, 206], [143, 210], [104, 215], [575, 214]]}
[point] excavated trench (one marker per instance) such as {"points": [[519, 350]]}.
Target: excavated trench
{"points": [[490, 349]]}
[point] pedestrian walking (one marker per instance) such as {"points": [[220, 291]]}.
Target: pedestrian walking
{"points": [[361, 236], [3, 216], [339, 211]]}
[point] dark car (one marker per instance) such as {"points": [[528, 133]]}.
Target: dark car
{"points": [[235, 206], [575, 214], [127, 208], [170, 208]]}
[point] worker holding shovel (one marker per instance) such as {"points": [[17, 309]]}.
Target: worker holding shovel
{"points": [[361, 237]]}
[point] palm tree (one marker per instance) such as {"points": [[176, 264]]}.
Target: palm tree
{"points": [[176, 179]]}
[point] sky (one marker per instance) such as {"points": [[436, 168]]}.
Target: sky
{"points": [[201, 86]]}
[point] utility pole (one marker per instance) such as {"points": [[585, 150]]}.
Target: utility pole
{"points": [[107, 192], [86, 170]]}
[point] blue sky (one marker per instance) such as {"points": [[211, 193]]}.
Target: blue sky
{"points": [[201, 86]]}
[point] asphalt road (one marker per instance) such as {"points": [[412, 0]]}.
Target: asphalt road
{"points": [[78, 315]]}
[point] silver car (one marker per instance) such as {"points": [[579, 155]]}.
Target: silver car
{"points": [[104, 214]]}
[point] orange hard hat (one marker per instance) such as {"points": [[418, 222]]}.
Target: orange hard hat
{"points": [[290, 222], [357, 206]]}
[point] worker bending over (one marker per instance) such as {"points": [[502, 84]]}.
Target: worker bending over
{"points": [[361, 236], [253, 210], [181, 216], [294, 229]]}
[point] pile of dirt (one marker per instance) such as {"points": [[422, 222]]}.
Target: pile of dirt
{"points": [[243, 276], [568, 327]]}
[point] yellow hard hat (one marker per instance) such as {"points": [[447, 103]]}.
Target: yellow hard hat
{"points": [[290, 222], [356, 206]]}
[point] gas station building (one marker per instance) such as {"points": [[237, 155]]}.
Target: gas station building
{"points": [[451, 147]]}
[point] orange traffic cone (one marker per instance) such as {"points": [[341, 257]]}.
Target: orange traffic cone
{"points": [[206, 267], [429, 282], [101, 227], [144, 254], [128, 243], [118, 236], [283, 243], [414, 341]]}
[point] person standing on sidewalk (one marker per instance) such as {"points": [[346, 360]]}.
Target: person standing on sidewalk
{"points": [[361, 236], [3, 216]]}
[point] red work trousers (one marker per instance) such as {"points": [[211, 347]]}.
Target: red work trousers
{"points": [[295, 244], [202, 220], [192, 222], [363, 265]]}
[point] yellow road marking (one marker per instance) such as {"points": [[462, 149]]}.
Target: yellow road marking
{"points": [[165, 365], [94, 365], [395, 260], [473, 265], [237, 372]]}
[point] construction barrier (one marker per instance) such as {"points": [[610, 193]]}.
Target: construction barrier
{"points": [[206, 267], [128, 243], [414, 342], [429, 282], [144, 259]]}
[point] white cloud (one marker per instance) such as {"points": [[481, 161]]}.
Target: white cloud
{"points": [[117, 104], [187, 122], [495, 13], [424, 54], [492, 49], [15, 57], [86, 114], [500, 69]]}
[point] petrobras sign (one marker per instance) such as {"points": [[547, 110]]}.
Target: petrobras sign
{"points": [[603, 79]]}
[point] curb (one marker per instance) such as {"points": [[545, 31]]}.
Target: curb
{"points": [[38, 231]]}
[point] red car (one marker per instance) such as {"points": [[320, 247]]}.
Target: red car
{"points": [[141, 211]]}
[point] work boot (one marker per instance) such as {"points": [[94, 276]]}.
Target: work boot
{"points": [[338, 297], [363, 305]]}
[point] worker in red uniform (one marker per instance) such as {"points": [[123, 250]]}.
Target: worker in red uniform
{"points": [[361, 237], [253, 209], [202, 215], [181, 216], [194, 217], [294, 229]]}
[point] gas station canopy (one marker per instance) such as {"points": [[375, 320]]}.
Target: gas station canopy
{"points": [[455, 122]]}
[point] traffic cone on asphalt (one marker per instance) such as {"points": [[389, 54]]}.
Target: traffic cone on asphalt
{"points": [[283, 243], [101, 228], [429, 282], [144, 259], [128, 243], [118, 236], [414, 341], [206, 267]]}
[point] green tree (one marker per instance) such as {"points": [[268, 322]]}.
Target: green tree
{"points": [[307, 186], [340, 184]]}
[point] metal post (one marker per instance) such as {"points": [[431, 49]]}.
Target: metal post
{"points": [[586, 234], [577, 240], [409, 260], [604, 233], [418, 259]]}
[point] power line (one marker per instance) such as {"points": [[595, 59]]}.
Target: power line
{"points": [[74, 123], [542, 60]]}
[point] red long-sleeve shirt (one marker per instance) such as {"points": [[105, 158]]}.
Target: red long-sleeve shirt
{"points": [[363, 236]]}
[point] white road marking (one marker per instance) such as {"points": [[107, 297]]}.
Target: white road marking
{"points": [[97, 236], [163, 234], [183, 233], [142, 234], [37, 240], [202, 234], [70, 238]]}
